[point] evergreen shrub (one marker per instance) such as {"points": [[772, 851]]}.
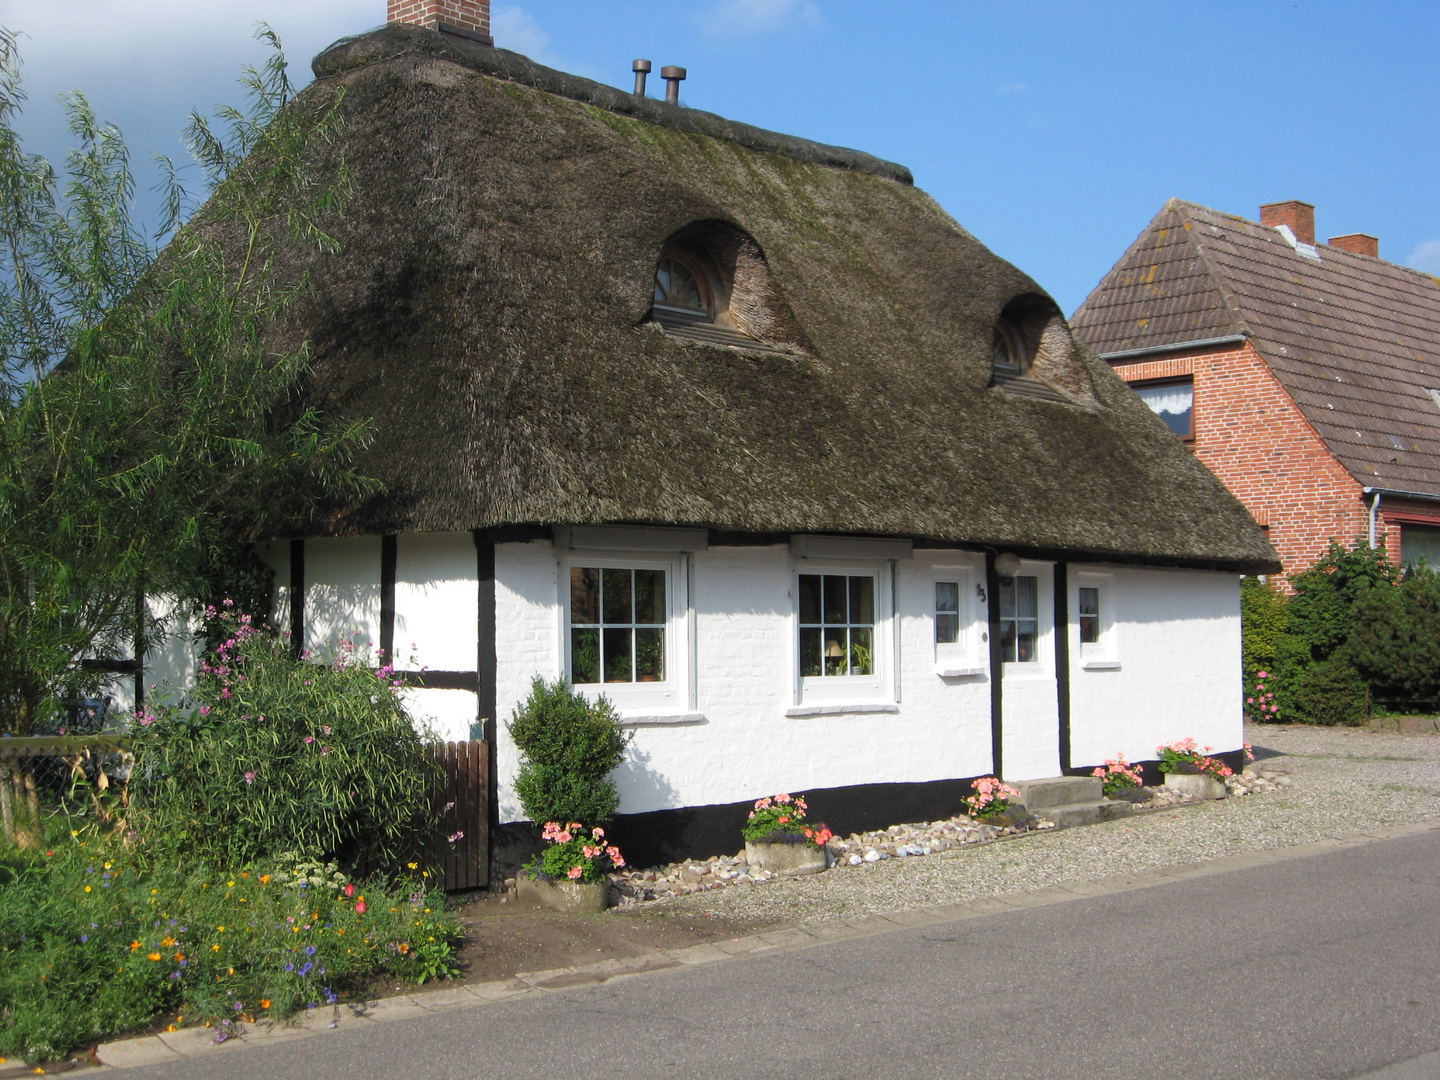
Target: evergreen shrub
{"points": [[569, 748]]}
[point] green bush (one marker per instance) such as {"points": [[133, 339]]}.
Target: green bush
{"points": [[569, 748], [1396, 640], [1328, 692], [1263, 619], [96, 940], [268, 753], [1315, 676]]}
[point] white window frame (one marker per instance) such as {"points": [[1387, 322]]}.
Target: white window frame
{"points": [[672, 696], [963, 656], [1043, 665], [875, 688], [1102, 655]]}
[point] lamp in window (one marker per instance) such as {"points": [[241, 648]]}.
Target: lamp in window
{"points": [[834, 657], [1007, 566]]}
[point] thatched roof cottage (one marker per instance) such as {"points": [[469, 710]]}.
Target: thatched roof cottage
{"points": [[747, 434]]}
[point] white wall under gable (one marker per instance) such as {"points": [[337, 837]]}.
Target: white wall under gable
{"points": [[436, 602], [1178, 673], [342, 592]]}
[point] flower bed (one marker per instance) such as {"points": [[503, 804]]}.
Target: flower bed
{"points": [[95, 941]]}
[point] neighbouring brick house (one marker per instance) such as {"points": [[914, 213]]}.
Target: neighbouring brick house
{"points": [[1305, 375]]}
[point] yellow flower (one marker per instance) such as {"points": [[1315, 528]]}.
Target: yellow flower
{"points": [[413, 865], [229, 884], [424, 873], [167, 941], [87, 888], [74, 832], [107, 866], [220, 928], [154, 891], [214, 948]]}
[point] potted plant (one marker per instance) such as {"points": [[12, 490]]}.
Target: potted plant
{"points": [[1188, 771], [569, 875], [1121, 780], [991, 803], [779, 839]]}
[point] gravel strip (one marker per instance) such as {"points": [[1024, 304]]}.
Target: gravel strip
{"points": [[1345, 780]]}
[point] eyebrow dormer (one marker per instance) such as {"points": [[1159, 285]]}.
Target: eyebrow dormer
{"points": [[712, 284]]}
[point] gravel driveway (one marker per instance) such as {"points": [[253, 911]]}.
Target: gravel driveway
{"points": [[1345, 780]]}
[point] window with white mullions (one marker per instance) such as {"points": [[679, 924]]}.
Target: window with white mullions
{"points": [[617, 625], [1019, 620], [837, 625], [1089, 616], [947, 612]]}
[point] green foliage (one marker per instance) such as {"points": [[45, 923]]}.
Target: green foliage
{"points": [[270, 753], [1263, 619], [97, 940], [1328, 691], [146, 423], [569, 748], [1395, 644], [1314, 677]]}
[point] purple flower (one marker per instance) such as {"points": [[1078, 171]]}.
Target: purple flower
{"points": [[289, 967], [249, 778], [84, 938], [309, 950]]}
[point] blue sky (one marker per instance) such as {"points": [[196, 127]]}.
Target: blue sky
{"points": [[1051, 129]]}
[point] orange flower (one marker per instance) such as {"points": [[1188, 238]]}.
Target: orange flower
{"points": [[134, 946], [154, 956], [264, 879], [264, 1003]]}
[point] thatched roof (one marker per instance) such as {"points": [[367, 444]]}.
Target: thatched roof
{"points": [[490, 309]]}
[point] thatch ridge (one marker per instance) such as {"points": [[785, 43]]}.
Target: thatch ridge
{"points": [[398, 39], [489, 309]]}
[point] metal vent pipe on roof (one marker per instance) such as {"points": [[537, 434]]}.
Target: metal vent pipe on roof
{"points": [[641, 69], [672, 76]]}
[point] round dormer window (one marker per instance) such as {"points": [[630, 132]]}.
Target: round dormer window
{"points": [[681, 285], [1010, 356]]}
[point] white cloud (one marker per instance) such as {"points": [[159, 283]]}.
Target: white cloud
{"points": [[516, 29], [1012, 87], [1426, 257], [759, 16]]}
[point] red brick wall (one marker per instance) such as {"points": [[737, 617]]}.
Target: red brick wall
{"points": [[472, 15], [1252, 436]]}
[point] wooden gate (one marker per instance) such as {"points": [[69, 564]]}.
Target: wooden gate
{"points": [[460, 850]]}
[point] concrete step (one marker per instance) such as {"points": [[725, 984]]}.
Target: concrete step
{"points": [[1068, 815], [1059, 791]]}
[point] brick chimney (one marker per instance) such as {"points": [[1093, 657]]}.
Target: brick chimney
{"points": [[463, 18], [1358, 242], [1298, 216]]}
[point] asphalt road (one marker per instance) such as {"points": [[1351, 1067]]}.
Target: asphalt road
{"points": [[1319, 967]]}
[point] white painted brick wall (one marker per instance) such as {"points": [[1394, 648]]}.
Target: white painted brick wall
{"points": [[744, 635], [1179, 651]]}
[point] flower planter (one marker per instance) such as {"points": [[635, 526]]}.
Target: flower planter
{"points": [[562, 895], [786, 860], [1198, 785]]}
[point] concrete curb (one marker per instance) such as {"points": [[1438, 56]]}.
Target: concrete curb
{"points": [[193, 1042]]}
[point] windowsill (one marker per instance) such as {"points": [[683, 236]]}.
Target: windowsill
{"points": [[946, 671], [1100, 665], [839, 710], [663, 721]]}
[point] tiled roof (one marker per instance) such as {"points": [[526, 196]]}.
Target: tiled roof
{"points": [[1353, 339]]}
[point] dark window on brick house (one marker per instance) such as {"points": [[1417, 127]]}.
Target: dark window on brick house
{"points": [[1173, 400]]}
